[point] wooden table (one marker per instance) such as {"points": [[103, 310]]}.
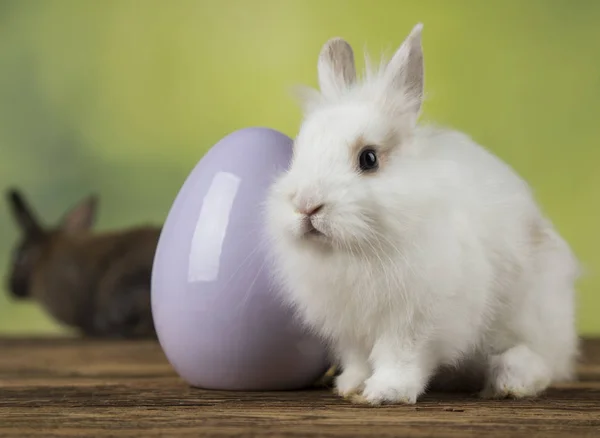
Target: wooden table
{"points": [[62, 387]]}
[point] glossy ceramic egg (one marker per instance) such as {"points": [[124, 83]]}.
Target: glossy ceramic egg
{"points": [[218, 318]]}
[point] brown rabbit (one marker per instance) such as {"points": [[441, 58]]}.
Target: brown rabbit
{"points": [[98, 283]]}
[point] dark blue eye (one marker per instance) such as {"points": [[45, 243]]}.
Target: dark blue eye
{"points": [[367, 160]]}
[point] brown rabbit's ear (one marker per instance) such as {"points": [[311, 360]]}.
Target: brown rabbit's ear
{"points": [[82, 216], [22, 213]]}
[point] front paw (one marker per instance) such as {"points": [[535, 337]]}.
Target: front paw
{"points": [[388, 390], [351, 382]]}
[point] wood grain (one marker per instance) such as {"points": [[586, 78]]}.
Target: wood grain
{"points": [[68, 387]]}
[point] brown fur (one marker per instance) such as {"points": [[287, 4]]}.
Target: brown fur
{"points": [[98, 283]]}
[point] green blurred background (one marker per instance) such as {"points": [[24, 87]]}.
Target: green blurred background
{"points": [[122, 98]]}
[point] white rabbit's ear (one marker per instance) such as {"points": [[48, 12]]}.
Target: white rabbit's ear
{"points": [[336, 67], [405, 71]]}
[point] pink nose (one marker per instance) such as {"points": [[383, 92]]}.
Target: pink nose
{"points": [[309, 210]]}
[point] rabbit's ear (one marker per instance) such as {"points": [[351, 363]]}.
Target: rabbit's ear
{"points": [[22, 213], [82, 216], [404, 73], [336, 67]]}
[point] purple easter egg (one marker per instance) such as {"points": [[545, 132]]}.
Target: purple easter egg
{"points": [[218, 317]]}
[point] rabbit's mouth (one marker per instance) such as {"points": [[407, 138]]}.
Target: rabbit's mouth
{"points": [[316, 237], [310, 231], [314, 232]]}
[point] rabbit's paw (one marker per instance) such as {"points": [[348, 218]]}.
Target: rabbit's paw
{"points": [[388, 389], [351, 381], [516, 373]]}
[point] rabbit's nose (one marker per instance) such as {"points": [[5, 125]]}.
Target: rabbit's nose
{"points": [[310, 209], [307, 205]]}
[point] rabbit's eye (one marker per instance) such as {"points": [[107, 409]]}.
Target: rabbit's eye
{"points": [[367, 160]]}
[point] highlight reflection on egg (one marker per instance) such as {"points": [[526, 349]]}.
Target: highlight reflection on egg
{"points": [[217, 316]]}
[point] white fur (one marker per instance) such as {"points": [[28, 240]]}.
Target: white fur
{"points": [[440, 257]]}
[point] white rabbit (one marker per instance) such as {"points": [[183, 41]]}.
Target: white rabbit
{"points": [[411, 248]]}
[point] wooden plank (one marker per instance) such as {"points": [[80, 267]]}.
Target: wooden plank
{"points": [[69, 387]]}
